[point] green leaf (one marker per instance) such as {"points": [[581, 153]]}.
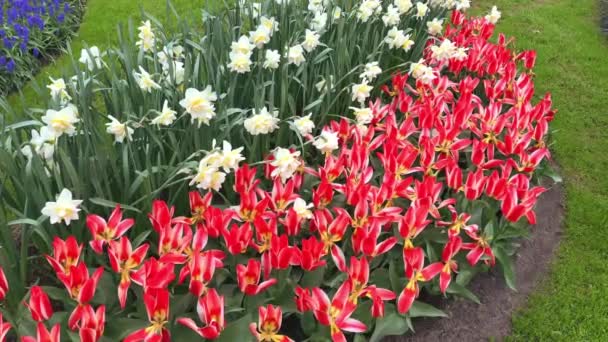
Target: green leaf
{"points": [[237, 330], [462, 291], [391, 324], [111, 204], [25, 221], [506, 263], [314, 278], [420, 309], [119, 328]]}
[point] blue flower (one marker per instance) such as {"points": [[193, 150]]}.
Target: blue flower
{"points": [[10, 66]]}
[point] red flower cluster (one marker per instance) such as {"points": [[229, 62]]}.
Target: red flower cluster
{"points": [[410, 179]]}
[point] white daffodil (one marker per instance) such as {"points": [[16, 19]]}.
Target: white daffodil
{"points": [[417, 68], [302, 209], [118, 129], [404, 5], [208, 177], [397, 39], [321, 85], [43, 143], [63, 209], [372, 70], [336, 13], [145, 81], [200, 104], [319, 21], [421, 10], [90, 57], [361, 91], [178, 72], [391, 18], [434, 27], [304, 124], [243, 45], [367, 9], [272, 59], [295, 55], [260, 36], [239, 62], [230, 158], [462, 5], [494, 15], [461, 54], [61, 121], [166, 117], [311, 40], [262, 122], [327, 141], [315, 6], [285, 163], [58, 89], [446, 50], [169, 53], [363, 115], [146, 36], [270, 23]]}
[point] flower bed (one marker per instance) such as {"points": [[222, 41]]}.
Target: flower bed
{"points": [[327, 224], [30, 33]]}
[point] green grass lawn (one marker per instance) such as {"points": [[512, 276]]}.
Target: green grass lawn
{"points": [[99, 27], [572, 304]]}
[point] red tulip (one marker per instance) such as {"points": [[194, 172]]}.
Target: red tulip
{"points": [[237, 239], [43, 335], [103, 232], [418, 274], [3, 284], [92, 324], [66, 254], [81, 288], [154, 275], [124, 261], [459, 222], [199, 206], [336, 314], [269, 323], [202, 268], [210, 311], [39, 304], [449, 251], [312, 254], [248, 278], [4, 328], [479, 248], [157, 308]]}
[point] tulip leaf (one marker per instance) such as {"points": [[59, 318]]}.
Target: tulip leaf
{"points": [[236, 330], [420, 309], [462, 291], [111, 204], [391, 324], [506, 263], [119, 328], [313, 278]]}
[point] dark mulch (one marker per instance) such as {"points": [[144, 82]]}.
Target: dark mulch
{"points": [[468, 321]]}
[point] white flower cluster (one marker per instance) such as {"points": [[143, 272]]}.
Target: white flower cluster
{"points": [[212, 169], [242, 49], [146, 36], [285, 163], [262, 122], [200, 104], [171, 60]]}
